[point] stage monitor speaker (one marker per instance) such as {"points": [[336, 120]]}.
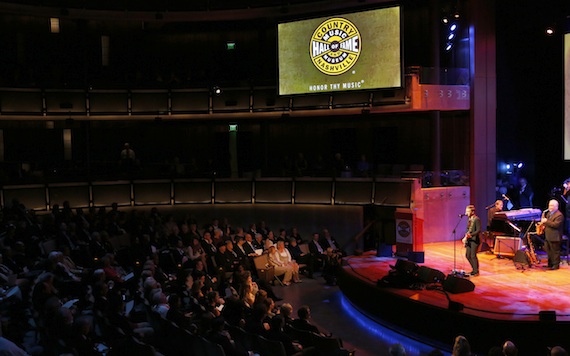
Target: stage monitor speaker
{"points": [[521, 258], [405, 267], [430, 275], [456, 285], [416, 256], [547, 315]]}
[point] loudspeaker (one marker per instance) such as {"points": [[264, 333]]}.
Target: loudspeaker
{"points": [[430, 275], [418, 257], [521, 258], [507, 246], [405, 267], [547, 315], [456, 285]]}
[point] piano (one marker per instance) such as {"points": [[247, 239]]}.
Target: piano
{"points": [[509, 229], [528, 214], [514, 222]]}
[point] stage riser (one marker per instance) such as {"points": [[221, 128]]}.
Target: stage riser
{"points": [[443, 325]]}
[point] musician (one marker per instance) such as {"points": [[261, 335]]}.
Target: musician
{"points": [[491, 212], [525, 193], [553, 221], [471, 239]]}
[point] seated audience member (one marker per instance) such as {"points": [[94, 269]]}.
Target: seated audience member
{"points": [[329, 241], [222, 337], [316, 249], [241, 253], [281, 268], [461, 347], [160, 304], [296, 235], [303, 323], [509, 349], [285, 258], [558, 351], [249, 246], [397, 350], [277, 333], [197, 251], [300, 257], [175, 313], [7, 347], [286, 311], [255, 322], [258, 242]]}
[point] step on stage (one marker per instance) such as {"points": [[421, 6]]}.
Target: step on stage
{"points": [[529, 305]]}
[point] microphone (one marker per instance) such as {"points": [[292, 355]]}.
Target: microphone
{"points": [[506, 197], [462, 215]]}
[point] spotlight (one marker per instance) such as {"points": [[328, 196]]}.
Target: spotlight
{"points": [[448, 46], [217, 90], [549, 31], [520, 165], [445, 20], [508, 166], [456, 15], [453, 27], [451, 36]]}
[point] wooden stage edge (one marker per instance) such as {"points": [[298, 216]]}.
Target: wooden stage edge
{"points": [[530, 306]]}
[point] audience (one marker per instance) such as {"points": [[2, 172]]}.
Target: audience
{"points": [[95, 294]]}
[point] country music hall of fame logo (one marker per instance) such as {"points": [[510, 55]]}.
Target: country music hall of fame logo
{"points": [[335, 46]]}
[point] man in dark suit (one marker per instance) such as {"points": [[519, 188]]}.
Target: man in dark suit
{"points": [[303, 323], [553, 222], [471, 239]]}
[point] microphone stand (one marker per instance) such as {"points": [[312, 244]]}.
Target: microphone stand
{"points": [[455, 272]]}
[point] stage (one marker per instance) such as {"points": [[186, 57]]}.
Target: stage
{"points": [[507, 302]]}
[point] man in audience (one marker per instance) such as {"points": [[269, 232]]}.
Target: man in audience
{"points": [[303, 322]]}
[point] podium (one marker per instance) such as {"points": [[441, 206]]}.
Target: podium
{"points": [[409, 237]]}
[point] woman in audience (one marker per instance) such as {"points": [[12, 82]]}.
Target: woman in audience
{"points": [[281, 268], [285, 258]]}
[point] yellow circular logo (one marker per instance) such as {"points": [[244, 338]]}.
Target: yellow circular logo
{"points": [[335, 46]]}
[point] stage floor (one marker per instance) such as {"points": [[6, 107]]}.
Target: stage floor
{"points": [[501, 290]]}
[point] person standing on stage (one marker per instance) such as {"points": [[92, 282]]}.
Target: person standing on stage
{"points": [[553, 221], [471, 239]]}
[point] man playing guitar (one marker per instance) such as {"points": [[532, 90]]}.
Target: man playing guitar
{"points": [[471, 239]]}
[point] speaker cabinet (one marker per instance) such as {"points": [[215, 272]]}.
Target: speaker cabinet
{"points": [[416, 256], [406, 267], [507, 246], [456, 285], [430, 275]]}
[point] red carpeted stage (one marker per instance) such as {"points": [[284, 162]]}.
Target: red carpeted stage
{"points": [[530, 306]]}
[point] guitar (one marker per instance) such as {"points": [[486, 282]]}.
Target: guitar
{"points": [[465, 240]]}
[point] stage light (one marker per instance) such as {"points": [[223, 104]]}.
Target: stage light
{"points": [[449, 46], [451, 36], [549, 31], [456, 15], [520, 165], [453, 27], [508, 166], [445, 20], [217, 90]]}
